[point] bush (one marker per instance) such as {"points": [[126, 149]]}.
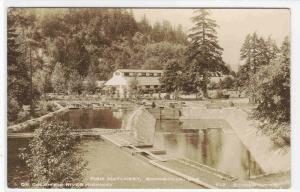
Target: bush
{"points": [[51, 155], [13, 108], [279, 132], [219, 94], [47, 106], [23, 115], [91, 85]]}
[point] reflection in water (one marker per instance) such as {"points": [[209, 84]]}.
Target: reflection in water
{"points": [[216, 147], [95, 118], [204, 145]]}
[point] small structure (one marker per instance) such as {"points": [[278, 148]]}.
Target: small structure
{"points": [[124, 81], [100, 86]]}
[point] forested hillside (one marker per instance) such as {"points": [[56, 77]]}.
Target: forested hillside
{"points": [[54, 50]]}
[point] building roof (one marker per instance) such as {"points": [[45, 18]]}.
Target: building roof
{"points": [[140, 71], [217, 79], [121, 80], [117, 80]]}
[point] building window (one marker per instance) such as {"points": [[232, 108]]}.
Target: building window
{"points": [[155, 86], [126, 74], [151, 74], [142, 74], [159, 74], [147, 86]]}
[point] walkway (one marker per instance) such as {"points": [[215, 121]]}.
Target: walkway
{"points": [[114, 167]]}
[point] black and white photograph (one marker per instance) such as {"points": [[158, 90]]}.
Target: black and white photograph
{"points": [[148, 98]]}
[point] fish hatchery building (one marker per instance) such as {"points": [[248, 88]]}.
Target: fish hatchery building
{"points": [[146, 80]]}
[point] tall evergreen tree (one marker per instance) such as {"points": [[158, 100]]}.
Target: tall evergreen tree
{"points": [[272, 50], [171, 80], [256, 52], [18, 79], [204, 54], [144, 26]]}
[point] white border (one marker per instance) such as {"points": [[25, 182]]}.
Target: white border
{"points": [[294, 5]]}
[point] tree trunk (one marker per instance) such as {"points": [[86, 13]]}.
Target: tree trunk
{"points": [[31, 89], [204, 86], [204, 91]]}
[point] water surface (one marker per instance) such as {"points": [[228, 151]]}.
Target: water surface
{"points": [[215, 145], [95, 118]]}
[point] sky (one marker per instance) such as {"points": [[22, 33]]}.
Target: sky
{"points": [[234, 25]]}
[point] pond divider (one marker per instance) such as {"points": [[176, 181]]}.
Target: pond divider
{"points": [[35, 122], [182, 175], [78, 132]]}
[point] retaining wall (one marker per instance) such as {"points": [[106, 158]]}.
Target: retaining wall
{"points": [[34, 122]]}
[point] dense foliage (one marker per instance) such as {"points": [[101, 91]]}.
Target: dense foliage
{"points": [[255, 53], [171, 79], [51, 156], [54, 50], [267, 80], [273, 88]]}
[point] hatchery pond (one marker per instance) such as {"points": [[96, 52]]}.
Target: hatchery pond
{"points": [[197, 140]]}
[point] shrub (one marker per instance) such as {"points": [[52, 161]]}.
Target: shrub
{"points": [[13, 108], [23, 115], [51, 155]]}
